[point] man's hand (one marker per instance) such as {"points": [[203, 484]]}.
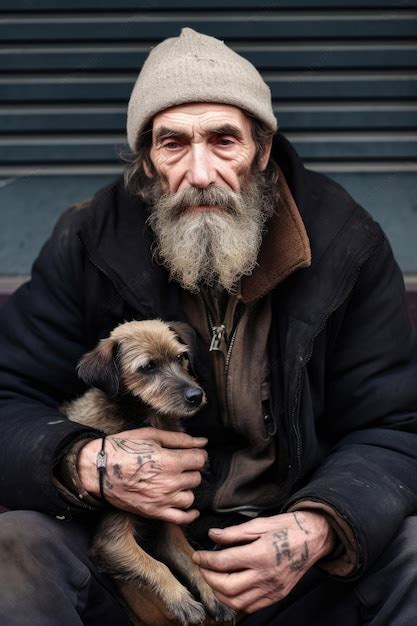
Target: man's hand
{"points": [[148, 471], [272, 555]]}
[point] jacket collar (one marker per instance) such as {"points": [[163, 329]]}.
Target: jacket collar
{"points": [[285, 248]]}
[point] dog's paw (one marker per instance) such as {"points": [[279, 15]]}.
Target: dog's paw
{"points": [[221, 613], [215, 609], [188, 610]]}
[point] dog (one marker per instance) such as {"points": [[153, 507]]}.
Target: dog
{"points": [[141, 376]]}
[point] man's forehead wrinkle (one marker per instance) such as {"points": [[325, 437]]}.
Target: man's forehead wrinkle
{"points": [[188, 116], [165, 132], [226, 129]]}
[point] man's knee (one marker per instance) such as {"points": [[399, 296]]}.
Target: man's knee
{"points": [[22, 533], [31, 532], [400, 555], [388, 591], [39, 545], [403, 547], [45, 573]]}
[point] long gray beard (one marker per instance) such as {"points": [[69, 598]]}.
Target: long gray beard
{"points": [[211, 247]]}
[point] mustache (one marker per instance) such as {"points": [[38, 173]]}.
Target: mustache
{"points": [[212, 196]]}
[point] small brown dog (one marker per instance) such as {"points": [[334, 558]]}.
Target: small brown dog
{"points": [[141, 376]]}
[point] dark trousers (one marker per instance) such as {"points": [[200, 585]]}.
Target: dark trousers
{"points": [[46, 579]]}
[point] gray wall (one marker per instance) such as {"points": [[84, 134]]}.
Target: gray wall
{"points": [[342, 73]]}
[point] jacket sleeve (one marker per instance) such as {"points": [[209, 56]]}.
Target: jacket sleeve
{"points": [[41, 341], [367, 484]]}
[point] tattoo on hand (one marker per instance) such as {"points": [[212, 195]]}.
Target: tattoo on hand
{"points": [[147, 468], [145, 452], [282, 547], [117, 471], [299, 521], [299, 563], [283, 550], [132, 447]]}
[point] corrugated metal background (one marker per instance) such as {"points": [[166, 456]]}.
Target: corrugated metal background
{"points": [[342, 73]]}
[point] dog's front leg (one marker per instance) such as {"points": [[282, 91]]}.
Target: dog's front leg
{"points": [[177, 553], [116, 552]]}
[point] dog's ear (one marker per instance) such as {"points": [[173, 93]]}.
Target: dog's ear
{"points": [[98, 368], [186, 335]]}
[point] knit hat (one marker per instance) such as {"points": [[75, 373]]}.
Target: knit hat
{"points": [[196, 68]]}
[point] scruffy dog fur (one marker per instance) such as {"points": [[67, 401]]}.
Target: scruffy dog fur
{"points": [[140, 375]]}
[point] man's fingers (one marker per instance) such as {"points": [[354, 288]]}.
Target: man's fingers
{"points": [[169, 439], [188, 480], [184, 499], [241, 595], [229, 560], [176, 516], [241, 601], [189, 459], [242, 533], [245, 601], [230, 585]]}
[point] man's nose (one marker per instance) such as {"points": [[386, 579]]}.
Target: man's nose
{"points": [[201, 172]]}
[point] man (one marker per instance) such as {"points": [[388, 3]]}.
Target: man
{"points": [[307, 356]]}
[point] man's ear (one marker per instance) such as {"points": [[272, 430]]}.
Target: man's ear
{"points": [[266, 153], [98, 368], [147, 170]]}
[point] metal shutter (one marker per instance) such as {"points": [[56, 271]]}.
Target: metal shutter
{"points": [[342, 73]]}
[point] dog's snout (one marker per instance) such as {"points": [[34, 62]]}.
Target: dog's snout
{"points": [[193, 396]]}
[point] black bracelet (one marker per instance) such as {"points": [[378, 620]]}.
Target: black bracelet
{"points": [[101, 467]]}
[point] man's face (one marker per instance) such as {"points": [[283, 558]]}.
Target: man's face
{"points": [[209, 200], [203, 144]]}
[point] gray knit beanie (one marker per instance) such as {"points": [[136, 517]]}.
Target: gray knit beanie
{"points": [[196, 68]]}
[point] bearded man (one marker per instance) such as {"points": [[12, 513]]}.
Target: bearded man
{"points": [[306, 353]]}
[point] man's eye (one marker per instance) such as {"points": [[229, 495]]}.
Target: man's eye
{"points": [[171, 145], [148, 368], [225, 142]]}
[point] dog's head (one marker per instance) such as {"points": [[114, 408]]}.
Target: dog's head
{"points": [[146, 360]]}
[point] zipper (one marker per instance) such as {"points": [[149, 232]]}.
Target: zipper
{"points": [[217, 335], [306, 358], [229, 353]]}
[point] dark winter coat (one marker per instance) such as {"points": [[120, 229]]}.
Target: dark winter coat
{"points": [[342, 350]]}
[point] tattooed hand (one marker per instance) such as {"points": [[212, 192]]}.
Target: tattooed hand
{"points": [[269, 557], [148, 471]]}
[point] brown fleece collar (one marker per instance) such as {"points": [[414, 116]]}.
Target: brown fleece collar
{"points": [[285, 248]]}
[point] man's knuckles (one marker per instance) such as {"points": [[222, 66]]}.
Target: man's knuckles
{"points": [[191, 480], [184, 499], [182, 460]]}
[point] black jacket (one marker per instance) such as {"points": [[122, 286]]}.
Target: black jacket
{"points": [[343, 355]]}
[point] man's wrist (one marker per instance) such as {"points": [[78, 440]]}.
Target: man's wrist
{"points": [[86, 467], [345, 558], [67, 480], [323, 535]]}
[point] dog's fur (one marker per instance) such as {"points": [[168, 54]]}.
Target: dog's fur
{"points": [[139, 376]]}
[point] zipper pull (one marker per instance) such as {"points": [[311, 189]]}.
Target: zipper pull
{"points": [[216, 337]]}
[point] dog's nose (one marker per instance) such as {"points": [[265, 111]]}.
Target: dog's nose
{"points": [[193, 396]]}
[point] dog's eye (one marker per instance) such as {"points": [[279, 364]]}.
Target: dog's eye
{"points": [[182, 358], [149, 367]]}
